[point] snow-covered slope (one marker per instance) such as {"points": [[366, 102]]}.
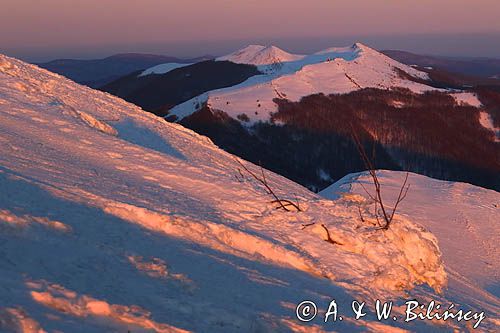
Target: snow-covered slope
{"points": [[163, 68], [335, 70], [112, 220], [464, 218], [486, 121], [260, 55]]}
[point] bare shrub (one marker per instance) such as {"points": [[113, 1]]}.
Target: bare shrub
{"points": [[377, 198], [284, 204]]}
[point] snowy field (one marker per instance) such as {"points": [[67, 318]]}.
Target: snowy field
{"points": [[112, 220]]}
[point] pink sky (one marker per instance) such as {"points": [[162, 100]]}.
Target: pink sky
{"points": [[65, 25]]}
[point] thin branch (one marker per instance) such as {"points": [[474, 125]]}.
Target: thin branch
{"points": [[361, 215], [240, 178], [329, 238], [377, 198], [402, 195], [241, 174], [307, 225], [282, 203], [369, 194]]}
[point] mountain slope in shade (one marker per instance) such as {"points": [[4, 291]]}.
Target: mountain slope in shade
{"points": [[114, 220], [332, 71], [158, 93], [463, 217], [98, 72], [305, 111], [163, 68], [482, 67], [258, 55]]}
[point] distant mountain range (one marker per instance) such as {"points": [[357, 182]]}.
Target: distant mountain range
{"points": [[482, 67], [98, 72], [294, 114]]}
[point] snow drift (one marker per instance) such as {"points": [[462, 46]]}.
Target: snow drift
{"points": [[463, 217]]}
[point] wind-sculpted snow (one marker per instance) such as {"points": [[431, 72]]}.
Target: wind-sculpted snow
{"points": [[463, 217], [152, 228]]}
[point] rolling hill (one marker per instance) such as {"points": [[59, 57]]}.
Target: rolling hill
{"points": [[98, 72]]}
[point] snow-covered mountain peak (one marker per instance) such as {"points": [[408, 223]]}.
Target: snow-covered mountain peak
{"points": [[260, 55], [348, 53], [251, 48], [333, 70], [360, 46]]}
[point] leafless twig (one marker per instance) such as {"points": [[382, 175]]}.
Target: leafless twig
{"points": [[361, 215], [377, 198], [329, 239], [284, 204], [307, 225]]}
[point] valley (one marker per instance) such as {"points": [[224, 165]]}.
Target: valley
{"points": [[303, 108]]}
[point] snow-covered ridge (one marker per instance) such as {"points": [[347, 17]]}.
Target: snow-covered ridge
{"points": [[162, 68], [486, 121], [260, 55], [334, 70], [266, 58], [137, 224]]}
